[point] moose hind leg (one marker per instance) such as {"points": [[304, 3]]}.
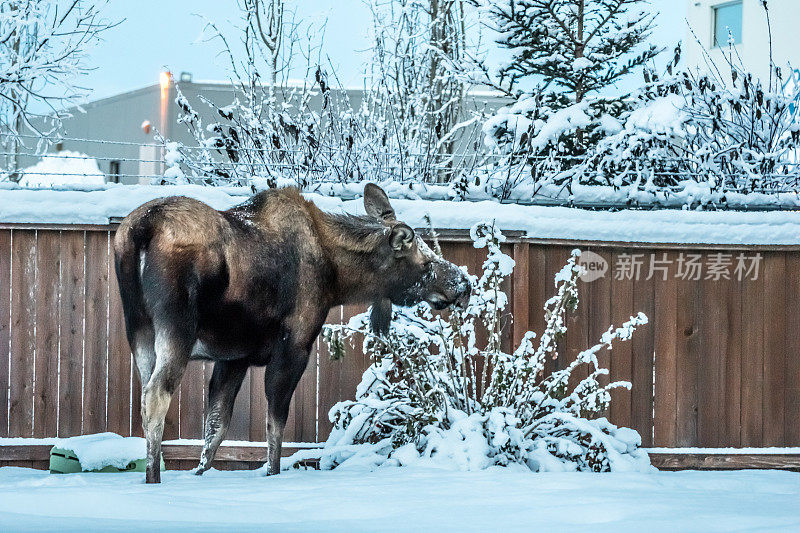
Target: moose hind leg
{"points": [[280, 381], [172, 357], [226, 380], [144, 355]]}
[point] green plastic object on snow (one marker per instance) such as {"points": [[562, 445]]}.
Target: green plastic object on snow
{"points": [[65, 462], [103, 452]]}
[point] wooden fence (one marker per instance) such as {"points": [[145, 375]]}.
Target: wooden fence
{"points": [[717, 365]]}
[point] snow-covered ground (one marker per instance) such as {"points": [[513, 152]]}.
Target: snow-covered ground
{"points": [[402, 499]]}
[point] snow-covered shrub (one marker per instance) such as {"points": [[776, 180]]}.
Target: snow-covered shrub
{"points": [[405, 128], [715, 139], [413, 99], [44, 51], [707, 133], [270, 131], [442, 389]]}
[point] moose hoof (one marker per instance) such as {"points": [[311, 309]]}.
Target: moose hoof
{"points": [[198, 470], [267, 471]]}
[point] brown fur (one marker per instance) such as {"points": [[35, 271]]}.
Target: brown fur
{"points": [[252, 286]]}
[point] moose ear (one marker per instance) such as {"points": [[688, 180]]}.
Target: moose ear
{"points": [[402, 237], [377, 203]]}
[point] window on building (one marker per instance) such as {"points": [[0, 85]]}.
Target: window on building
{"points": [[113, 171], [727, 22]]}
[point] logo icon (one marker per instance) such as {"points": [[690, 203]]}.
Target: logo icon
{"points": [[595, 266]]}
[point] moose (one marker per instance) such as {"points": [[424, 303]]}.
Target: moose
{"points": [[252, 286]]}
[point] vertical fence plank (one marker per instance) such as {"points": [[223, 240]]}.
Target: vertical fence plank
{"points": [[5, 325], [621, 368], [773, 320], [355, 361], [240, 421], [192, 401], [70, 379], [714, 326], [475, 258], [258, 405], [465, 256], [688, 339], [555, 260], [23, 341], [599, 308], [48, 284], [752, 361], [537, 288], [119, 363], [520, 305], [506, 322], [792, 398], [642, 349], [577, 338], [665, 328], [732, 360], [95, 359], [329, 380]]}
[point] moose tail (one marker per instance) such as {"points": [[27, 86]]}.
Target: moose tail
{"points": [[130, 243]]}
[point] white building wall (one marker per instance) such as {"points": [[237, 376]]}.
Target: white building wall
{"points": [[754, 48]]}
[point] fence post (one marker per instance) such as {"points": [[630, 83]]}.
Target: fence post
{"points": [[520, 306]]}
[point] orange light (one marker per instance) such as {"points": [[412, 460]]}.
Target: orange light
{"points": [[163, 79]]}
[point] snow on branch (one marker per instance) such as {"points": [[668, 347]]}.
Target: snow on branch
{"points": [[44, 46], [722, 140]]}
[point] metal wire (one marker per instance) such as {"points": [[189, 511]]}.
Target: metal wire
{"points": [[318, 167], [277, 150]]}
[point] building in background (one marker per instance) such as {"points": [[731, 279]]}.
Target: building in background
{"points": [[712, 23], [119, 132]]}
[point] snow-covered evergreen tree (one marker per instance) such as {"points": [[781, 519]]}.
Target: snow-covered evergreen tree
{"points": [[569, 51], [437, 392]]}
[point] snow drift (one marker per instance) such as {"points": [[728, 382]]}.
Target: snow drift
{"points": [[63, 168], [104, 449]]}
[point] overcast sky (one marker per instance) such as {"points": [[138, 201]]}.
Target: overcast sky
{"points": [[159, 34]]}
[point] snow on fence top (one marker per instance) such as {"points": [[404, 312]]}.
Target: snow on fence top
{"points": [[87, 204]]}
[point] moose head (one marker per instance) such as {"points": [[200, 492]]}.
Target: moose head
{"points": [[411, 271]]}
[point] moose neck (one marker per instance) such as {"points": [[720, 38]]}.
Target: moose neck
{"points": [[354, 248]]}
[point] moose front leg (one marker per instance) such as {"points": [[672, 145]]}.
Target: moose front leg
{"points": [[280, 381], [226, 380]]}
